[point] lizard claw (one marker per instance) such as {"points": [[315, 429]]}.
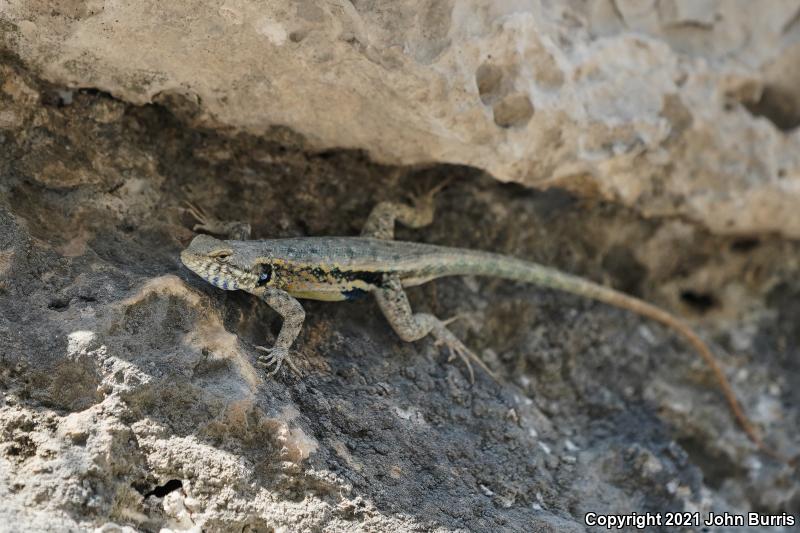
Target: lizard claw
{"points": [[197, 213], [444, 337], [440, 186], [425, 197], [452, 319], [232, 230], [275, 357]]}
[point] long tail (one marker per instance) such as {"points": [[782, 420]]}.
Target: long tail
{"points": [[468, 262]]}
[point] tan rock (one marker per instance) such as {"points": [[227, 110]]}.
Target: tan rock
{"points": [[634, 90]]}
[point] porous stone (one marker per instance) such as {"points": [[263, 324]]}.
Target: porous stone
{"points": [[128, 396], [671, 107]]}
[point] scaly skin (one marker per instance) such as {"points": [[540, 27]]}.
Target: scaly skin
{"points": [[341, 268]]}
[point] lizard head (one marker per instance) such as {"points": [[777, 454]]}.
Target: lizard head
{"points": [[217, 262]]}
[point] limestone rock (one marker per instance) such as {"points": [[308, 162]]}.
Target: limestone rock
{"points": [[672, 107], [128, 396]]}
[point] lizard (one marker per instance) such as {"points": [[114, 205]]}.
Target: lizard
{"points": [[281, 271]]}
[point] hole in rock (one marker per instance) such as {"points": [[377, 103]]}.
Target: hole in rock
{"points": [[745, 245], [701, 301], [58, 304], [779, 106], [166, 488]]}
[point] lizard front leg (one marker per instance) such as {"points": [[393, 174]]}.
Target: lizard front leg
{"points": [[412, 326], [293, 316], [380, 223]]}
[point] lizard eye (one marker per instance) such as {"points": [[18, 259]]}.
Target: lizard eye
{"points": [[266, 275], [222, 254]]}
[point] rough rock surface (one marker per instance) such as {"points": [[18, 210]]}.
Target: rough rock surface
{"points": [[129, 399], [673, 107]]}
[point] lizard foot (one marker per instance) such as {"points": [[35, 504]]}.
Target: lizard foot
{"points": [[232, 230], [424, 198], [275, 357], [456, 348]]}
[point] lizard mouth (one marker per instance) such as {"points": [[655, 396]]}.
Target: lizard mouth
{"points": [[222, 275]]}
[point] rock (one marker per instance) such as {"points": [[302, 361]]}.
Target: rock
{"points": [[638, 102], [129, 398]]}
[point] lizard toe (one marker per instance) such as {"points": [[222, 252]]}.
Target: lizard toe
{"points": [[456, 348], [274, 359]]}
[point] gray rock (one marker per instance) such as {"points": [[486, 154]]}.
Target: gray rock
{"points": [[129, 398]]}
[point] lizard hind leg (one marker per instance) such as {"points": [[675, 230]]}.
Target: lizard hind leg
{"points": [[381, 221], [411, 326]]}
